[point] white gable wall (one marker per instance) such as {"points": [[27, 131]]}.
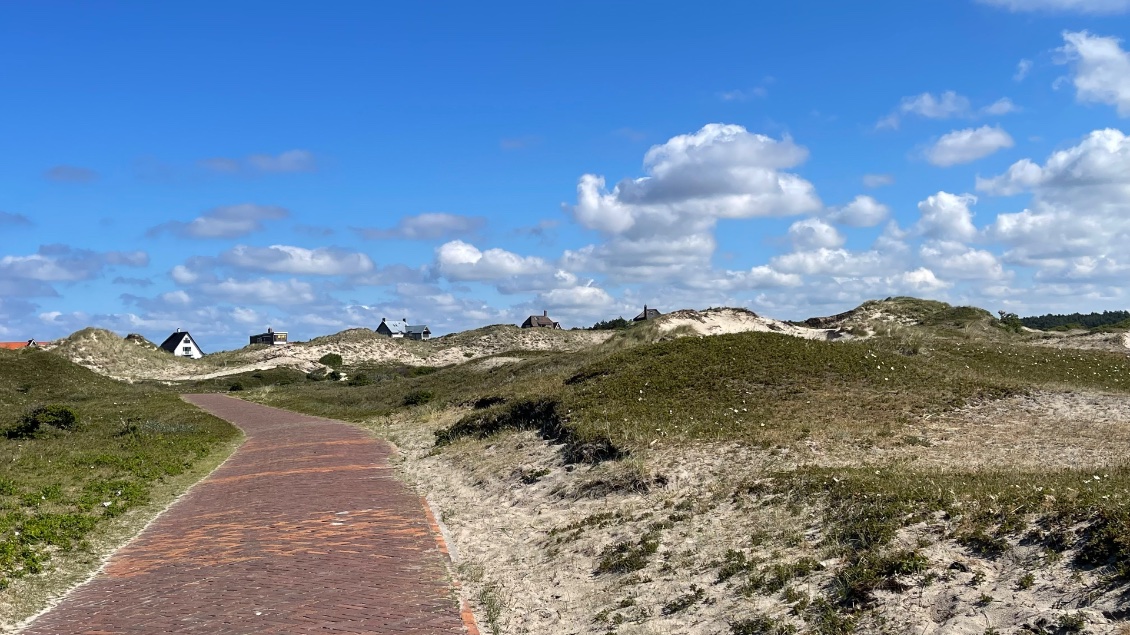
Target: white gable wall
{"points": [[188, 348]]}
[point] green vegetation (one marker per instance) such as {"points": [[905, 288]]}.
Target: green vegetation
{"points": [[611, 325], [1120, 319], [80, 449], [333, 360]]}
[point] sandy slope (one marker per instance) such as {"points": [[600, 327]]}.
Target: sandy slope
{"points": [[530, 530]]}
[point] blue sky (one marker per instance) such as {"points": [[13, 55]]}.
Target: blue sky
{"points": [[219, 168]]}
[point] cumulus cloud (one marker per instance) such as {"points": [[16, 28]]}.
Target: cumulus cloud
{"points": [[834, 262], [70, 174], [659, 225], [324, 261], [813, 233], [721, 171], [946, 216], [1072, 6], [968, 145], [232, 221], [862, 211], [1080, 206], [573, 298], [959, 261], [428, 226], [457, 260], [289, 161], [878, 180], [14, 220], [1100, 69]]}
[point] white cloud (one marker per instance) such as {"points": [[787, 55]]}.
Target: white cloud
{"points": [[946, 106], [457, 260], [813, 233], [184, 275], [261, 291], [178, 297], [1002, 106], [232, 221], [650, 259], [428, 226], [1074, 6], [1080, 206], [1101, 69], [947, 216], [878, 180], [834, 262], [920, 280], [957, 260], [585, 298], [62, 263], [721, 171], [1023, 67], [1100, 164], [324, 261], [968, 145], [862, 211]]}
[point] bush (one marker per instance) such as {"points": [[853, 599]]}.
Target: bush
{"points": [[59, 417], [333, 360], [235, 387], [418, 397], [334, 376], [360, 379]]}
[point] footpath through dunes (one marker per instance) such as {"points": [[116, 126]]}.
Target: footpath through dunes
{"points": [[304, 529]]}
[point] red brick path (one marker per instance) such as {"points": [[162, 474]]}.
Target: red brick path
{"points": [[303, 530]]}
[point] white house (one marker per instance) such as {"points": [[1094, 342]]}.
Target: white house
{"points": [[181, 344]]}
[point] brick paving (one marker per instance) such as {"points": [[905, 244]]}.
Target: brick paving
{"points": [[304, 529]]}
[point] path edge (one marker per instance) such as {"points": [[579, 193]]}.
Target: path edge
{"points": [[465, 611], [27, 622]]}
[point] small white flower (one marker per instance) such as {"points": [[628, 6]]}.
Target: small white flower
{"points": [[106, 503]]}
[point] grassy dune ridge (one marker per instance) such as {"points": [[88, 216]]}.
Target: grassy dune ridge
{"points": [[56, 485]]}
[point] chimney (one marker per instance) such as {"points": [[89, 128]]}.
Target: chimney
{"points": [[270, 330], [178, 329], [645, 310], [406, 320], [545, 313], [383, 320]]}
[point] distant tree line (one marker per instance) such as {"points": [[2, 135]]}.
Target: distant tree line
{"points": [[1075, 320], [611, 325]]}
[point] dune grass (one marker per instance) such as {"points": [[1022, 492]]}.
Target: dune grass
{"points": [[58, 483]]}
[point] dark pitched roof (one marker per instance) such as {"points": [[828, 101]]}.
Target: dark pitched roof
{"points": [[647, 314], [417, 328], [173, 341], [539, 320]]}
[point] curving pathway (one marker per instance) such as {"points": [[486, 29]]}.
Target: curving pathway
{"points": [[304, 529]]}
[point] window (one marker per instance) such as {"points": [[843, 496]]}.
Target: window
{"points": [[187, 350]]}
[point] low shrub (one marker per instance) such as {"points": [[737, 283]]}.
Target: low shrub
{"points": [[418, 397], [333, 360], [33, 420]]}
